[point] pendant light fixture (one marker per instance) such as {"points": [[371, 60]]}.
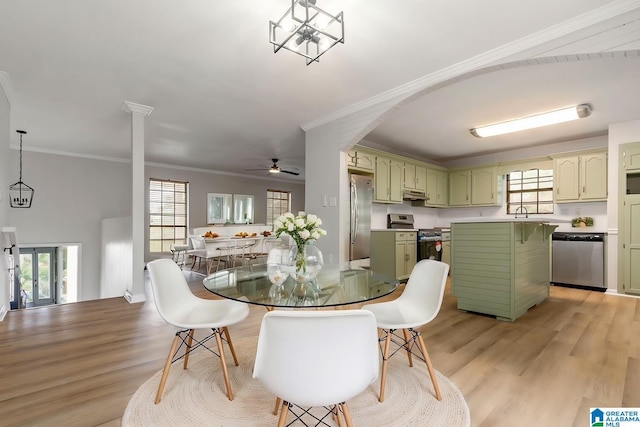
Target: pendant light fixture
{"points": [[307, 30], [538, 120], [20, 194]]}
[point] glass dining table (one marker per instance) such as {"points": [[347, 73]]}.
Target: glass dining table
{"points": [[335, 285]]}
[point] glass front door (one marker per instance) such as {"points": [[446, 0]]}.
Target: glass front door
{"points": [[38, 275]]}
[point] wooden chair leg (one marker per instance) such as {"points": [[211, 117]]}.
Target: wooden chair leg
{"points": [[347, 414], [224, 366], [233, 350], [432, 373], [385, 360], [167, 368], [409, 344], [283, 414], [188, 352], [278, 405], [337, 415]]}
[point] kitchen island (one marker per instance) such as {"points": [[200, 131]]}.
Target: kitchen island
{"points": [[501, 267]]}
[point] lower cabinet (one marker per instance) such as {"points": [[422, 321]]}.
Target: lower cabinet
{"points": [[393, 252], [446, 253], [502, 268]]}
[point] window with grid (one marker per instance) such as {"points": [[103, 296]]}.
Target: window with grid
{"points": [[167, 214], [532, 190], [278, 203]]}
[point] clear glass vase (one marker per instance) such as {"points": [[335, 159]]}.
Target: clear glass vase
{"points": [[307, 262]]}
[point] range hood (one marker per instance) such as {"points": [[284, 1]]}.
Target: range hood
{"points": [[414, 195]]}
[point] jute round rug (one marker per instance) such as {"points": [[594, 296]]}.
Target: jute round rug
{"points": [[197, 397]]}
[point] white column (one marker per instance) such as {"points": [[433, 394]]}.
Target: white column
{"points": [[138, 113]]}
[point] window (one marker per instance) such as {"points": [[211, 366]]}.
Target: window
{"points": [[278, 203], [532, 190], [167, 214]]}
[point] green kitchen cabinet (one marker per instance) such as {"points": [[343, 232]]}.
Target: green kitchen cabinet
{"points": [[501, 268], [388, 180], [393, 252], [580, 177], [361, 161]]}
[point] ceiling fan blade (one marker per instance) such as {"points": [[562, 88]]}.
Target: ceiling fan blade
{"points": [[289, 172]]}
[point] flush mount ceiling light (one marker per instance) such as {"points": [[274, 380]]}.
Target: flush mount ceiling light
{"points": [[538, 120], [307, 30], [20, 194]]}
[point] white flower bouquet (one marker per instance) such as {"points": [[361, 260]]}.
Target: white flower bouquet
{"points": [[302, 228]]}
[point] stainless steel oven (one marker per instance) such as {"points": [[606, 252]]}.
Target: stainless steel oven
{"points": [[400, 221], [578, 260], [429, 244]]}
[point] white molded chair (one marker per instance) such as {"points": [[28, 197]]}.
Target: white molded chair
{"points": [[200, 252], [179, 307], [317, 358], [418, 305]]}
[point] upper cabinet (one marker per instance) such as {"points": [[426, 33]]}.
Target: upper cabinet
{"points": [[631, 158], [388, 180], [361, 161], [485, 186], [415, 177], [475, 187], [459, 188], [580, 177], [437, 181]]}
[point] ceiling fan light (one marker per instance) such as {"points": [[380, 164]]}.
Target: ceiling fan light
{"points": [[274, 170], [531, 122]]}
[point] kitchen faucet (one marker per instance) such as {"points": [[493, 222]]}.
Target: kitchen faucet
{"points": [[521, 209]]}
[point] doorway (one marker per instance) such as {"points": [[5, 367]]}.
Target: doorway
{"points": [[47, 275], [38, 276]]}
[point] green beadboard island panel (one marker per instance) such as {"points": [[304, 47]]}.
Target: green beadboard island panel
{"points": [[501, 268]]}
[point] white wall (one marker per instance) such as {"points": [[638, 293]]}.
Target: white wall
{"points": [[203, 182], [5, 181], [73, 195]]}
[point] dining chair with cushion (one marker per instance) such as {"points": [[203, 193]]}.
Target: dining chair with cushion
{"points": [[317, 359], [418, 305], [179, 307], [200, 252]]}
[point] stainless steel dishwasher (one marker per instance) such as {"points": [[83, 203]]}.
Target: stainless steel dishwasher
{"points": [[578, 260]]}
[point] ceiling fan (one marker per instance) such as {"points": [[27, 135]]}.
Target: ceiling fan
{"points": [[275, 169]]}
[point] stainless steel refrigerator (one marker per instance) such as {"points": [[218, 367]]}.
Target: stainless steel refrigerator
{"points": [[360, 224]]}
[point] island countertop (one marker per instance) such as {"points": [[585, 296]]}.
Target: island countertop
{"points": [[536, 220]]}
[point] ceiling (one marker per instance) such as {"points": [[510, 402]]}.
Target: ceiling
{"points": [[223, 101]]}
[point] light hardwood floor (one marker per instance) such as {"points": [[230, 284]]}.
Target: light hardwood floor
{"points": [[78, 364]]}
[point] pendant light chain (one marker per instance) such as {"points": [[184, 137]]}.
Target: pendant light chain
{"points": [[20, 194]]}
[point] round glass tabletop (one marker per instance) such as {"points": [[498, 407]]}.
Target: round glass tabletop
{"points": [[334, 286]]}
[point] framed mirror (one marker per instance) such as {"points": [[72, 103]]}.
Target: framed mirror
{"points": [[219, 208], [242, 209]]}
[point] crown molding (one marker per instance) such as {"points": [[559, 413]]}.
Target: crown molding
{"points": [[132, 107], [585, 20]]}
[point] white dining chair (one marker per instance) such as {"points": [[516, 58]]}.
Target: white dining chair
{"points": [[200, 252], [418, 305], [179, 307], [317, 359]]}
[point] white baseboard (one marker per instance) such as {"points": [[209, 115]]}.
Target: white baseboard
{"points": [[616, 293], [134, 298], [3, 312]]}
